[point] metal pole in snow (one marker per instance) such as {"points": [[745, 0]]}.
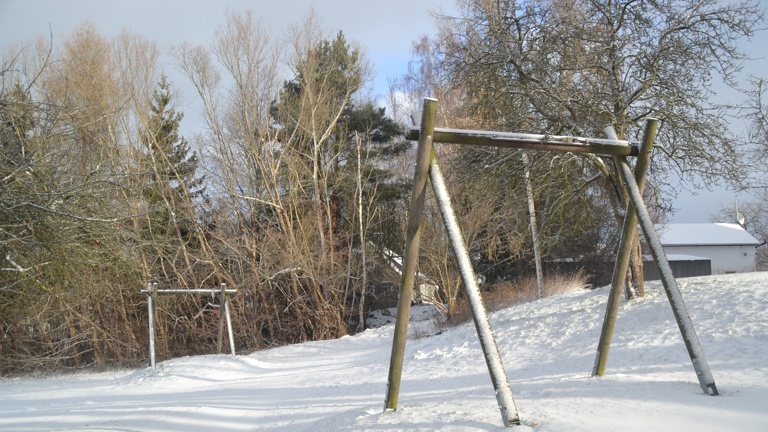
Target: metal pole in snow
{"points": [[625, 247], [220, 335], [700, 365], [411, 255], [225, 297], [151, 288], [482, 324]]}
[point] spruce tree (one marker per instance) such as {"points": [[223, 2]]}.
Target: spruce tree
{"points": [[172, 167]]}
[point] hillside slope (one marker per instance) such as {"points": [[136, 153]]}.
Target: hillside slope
{"points": [[548, 348]]}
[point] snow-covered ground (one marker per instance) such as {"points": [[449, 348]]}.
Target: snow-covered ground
{"points": [[548, 348]]}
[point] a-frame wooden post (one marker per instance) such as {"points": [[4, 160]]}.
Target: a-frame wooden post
{"points": [[411, 256], [485, 334], [427, 165], [629, 229], [696, 353], [637, 212]]}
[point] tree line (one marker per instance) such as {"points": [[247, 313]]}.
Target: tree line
{"points": [[295, 187], [280, 194]]}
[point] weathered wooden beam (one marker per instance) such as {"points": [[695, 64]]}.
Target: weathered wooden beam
{"points": [[625, 249], [684, 323], [529, 141], [509, 414], [411, 255]]}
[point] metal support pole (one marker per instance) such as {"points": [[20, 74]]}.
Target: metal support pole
{"points": [[501, 386], [625, 247], [700, 365], [151, 291], [411, 255], [220, 334], [225, 298]]}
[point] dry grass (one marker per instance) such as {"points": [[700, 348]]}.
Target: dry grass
{"points": [[509, 293]]}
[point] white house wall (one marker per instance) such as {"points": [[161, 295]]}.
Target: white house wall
{"points": [[725, 259]]}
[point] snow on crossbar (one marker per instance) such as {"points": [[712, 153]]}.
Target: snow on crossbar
{"points": [[529, 141]]}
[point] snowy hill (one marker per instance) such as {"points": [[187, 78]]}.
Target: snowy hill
{"points": [[548, 348]]}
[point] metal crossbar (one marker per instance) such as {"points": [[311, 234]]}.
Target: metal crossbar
{"points": [[211, 291]]}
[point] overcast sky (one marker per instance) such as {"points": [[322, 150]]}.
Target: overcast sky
{"points": [[386, 29]]}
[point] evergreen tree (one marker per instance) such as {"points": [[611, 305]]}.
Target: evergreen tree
{"points": [[172, 185], [335, 74], [382, 139]]}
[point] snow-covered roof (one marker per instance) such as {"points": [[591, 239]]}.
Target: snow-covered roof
{"points": [[678, 257], [705, 234]]}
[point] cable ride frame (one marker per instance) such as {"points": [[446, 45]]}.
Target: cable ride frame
{"points": [[427, 168]]}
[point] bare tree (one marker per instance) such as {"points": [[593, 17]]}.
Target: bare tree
{"points": [[60, 209], [575, 66], [754, 207], [292, 188]]}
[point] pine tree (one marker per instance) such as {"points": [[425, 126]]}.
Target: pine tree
{"points": [[332, 72]]}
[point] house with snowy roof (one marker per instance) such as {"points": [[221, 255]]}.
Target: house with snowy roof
{"points": [[692, 247]]}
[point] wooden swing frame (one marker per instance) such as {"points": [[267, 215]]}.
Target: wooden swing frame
{"points": [[427, 167]]}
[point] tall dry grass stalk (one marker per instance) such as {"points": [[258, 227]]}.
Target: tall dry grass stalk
{"points": [[509, 293]]}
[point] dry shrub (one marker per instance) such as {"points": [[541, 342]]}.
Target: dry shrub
{"points": [[509, 293]]}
